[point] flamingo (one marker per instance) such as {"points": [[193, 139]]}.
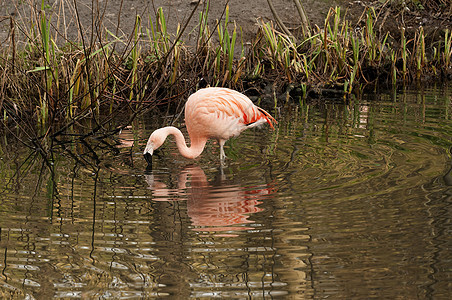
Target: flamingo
{"points": [[213, 112]]}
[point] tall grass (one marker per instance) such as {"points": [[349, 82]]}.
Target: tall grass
{"points": [[60, 84]]}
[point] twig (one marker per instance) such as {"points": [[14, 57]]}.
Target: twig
{"points": [[278, 20], [304, 19]]}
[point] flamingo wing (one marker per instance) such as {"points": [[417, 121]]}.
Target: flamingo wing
{"points": [[222, 113]]}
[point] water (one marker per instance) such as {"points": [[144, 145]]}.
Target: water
{"points": [[342, 201]]}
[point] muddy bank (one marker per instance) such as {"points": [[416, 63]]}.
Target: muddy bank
{"points": [[118, 16], [71, 20]]}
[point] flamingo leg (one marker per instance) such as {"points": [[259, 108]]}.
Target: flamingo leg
{"points": [[222, 155], [222, 176]]}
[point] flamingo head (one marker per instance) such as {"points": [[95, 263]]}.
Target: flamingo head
{"points": [[155, 141]]}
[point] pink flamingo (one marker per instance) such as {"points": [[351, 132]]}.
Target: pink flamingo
{"points": [[213, 112]]}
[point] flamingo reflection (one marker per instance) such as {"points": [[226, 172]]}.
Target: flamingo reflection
{"points": [[211, 206]]}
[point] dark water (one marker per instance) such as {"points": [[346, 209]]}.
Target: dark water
{"points": [[342, 201]]}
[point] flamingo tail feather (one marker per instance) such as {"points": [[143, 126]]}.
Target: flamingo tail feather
{"points": [[270, 120]]}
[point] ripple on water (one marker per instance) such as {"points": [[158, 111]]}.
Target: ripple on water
{"points": [[343, 200]]}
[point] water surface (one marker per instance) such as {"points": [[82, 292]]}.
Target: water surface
{"points": [[342, 200]]}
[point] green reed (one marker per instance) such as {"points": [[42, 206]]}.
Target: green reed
{"points": [[356, 52], [225, 49], [370, 38], [404, 53], [420, 52], [204, 42], [447, 48], [176, 59], [158, 36], [135, 54], [393, 68], [46, 43]]}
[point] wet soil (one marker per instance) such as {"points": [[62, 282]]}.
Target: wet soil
{"points": [[72, 18], [118, 16]]}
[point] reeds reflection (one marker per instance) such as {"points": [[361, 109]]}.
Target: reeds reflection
{"points": [[216, 205]]}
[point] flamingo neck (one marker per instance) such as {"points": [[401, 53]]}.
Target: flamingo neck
{"points": [[196, 144]]}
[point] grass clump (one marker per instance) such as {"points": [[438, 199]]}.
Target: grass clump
{"points": [[341, 55]]}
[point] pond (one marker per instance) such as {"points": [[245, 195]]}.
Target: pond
{"points": [[342, 200]]}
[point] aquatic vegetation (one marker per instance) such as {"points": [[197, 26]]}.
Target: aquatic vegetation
{"points": [[52, 83]]}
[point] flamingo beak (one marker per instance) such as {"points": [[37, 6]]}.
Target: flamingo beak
{"points": [[148, 155], [148, 158]]}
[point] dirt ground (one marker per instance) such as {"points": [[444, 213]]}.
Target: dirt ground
{"points": [[111, 13], [71, 18]]}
